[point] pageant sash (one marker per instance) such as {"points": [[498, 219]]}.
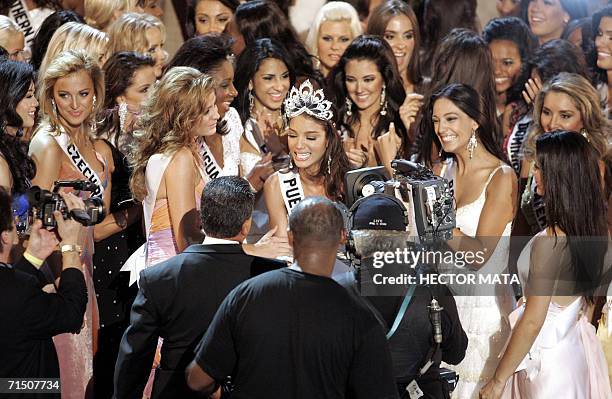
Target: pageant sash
{"points": [[72, 151], [19, 13], [211, 167], [291, 189]]}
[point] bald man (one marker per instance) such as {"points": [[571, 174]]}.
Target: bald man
{"points": [[295, 332]]}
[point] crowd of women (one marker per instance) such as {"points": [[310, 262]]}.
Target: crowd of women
{"points": [[515, 114]]}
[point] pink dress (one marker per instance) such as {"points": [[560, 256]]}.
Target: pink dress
{"points": [[566, 360], [75, 352]]}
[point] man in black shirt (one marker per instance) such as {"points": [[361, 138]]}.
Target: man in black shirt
{"points": [[178, 298], [29, 316], [296, 333], [378, 226]]}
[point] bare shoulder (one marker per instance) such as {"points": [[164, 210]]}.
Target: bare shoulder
{"points": [[43, 143], [504, 179], [271, 184], [182, 163]]}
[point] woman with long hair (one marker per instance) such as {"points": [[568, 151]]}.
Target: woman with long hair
{"points": [[260, 19], [71, 93], [602, 36], [209, 16], [369, 94], [142, 33], [18, 108], [485, 191], [168, 173], [395, 21], [511, 44], [560, 270], [567, 102], [318, 162], [128, 79], [462, 57], [548, 19], [335, 26]]}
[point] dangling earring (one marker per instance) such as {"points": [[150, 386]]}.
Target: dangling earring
{"points": [[54, 108], [383, 100], [290, 163], [585, 134], [329, 164], [251, 101], [93, 104], [123, 110], [349, 106], [472, 144]]}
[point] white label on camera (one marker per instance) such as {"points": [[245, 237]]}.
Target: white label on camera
{"points": [[414, 391]]}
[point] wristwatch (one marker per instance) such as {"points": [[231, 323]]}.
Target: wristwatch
{"points": [[71, 248]]}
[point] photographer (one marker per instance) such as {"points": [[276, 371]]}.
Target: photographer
{"points": [[31, 317], [377, 228]]}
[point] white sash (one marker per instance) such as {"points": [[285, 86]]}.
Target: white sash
{"points": [[291, 189], [63, 140], [19, 13], [211, 167], [156, 167]]}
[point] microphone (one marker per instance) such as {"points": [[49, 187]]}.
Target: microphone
{"points": [[434, 314]]}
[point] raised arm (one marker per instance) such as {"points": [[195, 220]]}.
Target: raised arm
{"points": [[47, 156]]}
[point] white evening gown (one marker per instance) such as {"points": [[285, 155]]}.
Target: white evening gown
{"points": [[483, 317]]}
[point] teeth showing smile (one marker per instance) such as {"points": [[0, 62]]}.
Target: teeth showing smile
{"points": [[448, 138], [362, 97], [399, 55], [501, 80], [276, 97], [303, 156], [537, 19], [603, 54]]}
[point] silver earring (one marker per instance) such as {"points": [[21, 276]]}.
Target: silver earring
{"points": [[123, 110], [472, 144], [383, 100], [329, 164], [54, 108], [251, 101], [290, 163], [349, 105], [93, 104]]}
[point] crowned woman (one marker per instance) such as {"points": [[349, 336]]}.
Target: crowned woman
{"points": [[318, 162]]}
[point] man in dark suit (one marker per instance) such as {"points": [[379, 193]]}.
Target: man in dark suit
{"points": [[29, 316], [178, 298]]}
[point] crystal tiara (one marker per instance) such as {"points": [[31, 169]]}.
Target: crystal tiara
{"points": [[307, 99]]}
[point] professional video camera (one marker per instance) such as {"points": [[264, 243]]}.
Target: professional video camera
{"points": [[42, 204], [427, 197]]}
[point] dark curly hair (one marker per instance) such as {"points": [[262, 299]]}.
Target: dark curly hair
{"points": [[15, 80]]}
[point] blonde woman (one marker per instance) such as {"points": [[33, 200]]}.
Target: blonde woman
{"points": [[142, 33], [12, 39], [71, 92], [101, 13], [334, 28], [76, 36]]}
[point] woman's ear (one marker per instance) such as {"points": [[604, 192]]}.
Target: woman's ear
{"points": [[120, 99], [475, 125]]}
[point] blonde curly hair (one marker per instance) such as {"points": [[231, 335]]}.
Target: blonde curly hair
{"points": [[169, 116]]}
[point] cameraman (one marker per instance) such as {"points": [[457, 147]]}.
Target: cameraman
{"points": [[377, 226], [29, 316]]}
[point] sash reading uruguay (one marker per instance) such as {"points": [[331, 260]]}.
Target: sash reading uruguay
{"points": [[211, 168]]}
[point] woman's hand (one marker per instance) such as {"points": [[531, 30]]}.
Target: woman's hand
{"points": [[532, 88], [358, 158], [387, 146], [260, 172], [410, 108], [493, 389]]}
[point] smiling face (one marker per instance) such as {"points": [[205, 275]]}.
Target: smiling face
{"points": [[207, 123], [452, 126], [603, 43], [334, 38], [137, 92], [507, 61], [559, 112], [211, 16], [399, 33], [508, 8], [224, 83], [26, 108], [156, 41], [271, 84], [73, 95], [547, 19], [307, 142], [364, 83]]}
